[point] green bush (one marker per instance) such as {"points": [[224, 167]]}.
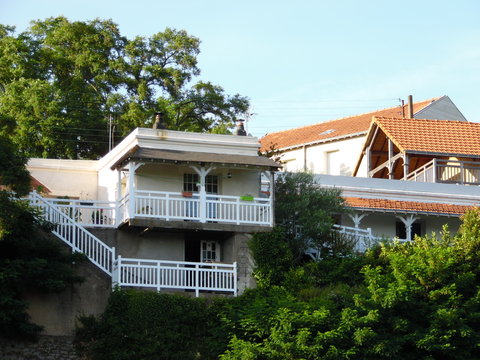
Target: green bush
{"points": [[149, 325]]}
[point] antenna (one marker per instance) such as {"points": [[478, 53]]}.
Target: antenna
{"points": [[111, 132]]}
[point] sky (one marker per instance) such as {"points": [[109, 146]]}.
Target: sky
{"points": [[304, 62]]}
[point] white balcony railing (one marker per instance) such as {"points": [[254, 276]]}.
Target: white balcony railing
{"points": [[183, 275], [215, 208], [447, 171], [167, 206], [90, 213]]}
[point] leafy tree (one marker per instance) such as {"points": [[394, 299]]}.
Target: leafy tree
{"points": [[61, 82], [304, 214], [30, 259]]}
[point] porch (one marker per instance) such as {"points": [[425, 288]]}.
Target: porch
{"points": [[67, 217], [169, 207]]}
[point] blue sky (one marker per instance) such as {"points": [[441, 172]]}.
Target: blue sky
{"points": [[303, 62]]}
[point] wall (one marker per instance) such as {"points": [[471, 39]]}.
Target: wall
{"points": [[58, 312], [144, 244], [47, 348], [384, 225], [73, 178], [170, 178], [315, 157]]}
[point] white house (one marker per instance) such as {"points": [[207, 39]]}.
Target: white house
{"points": [[163, 209], [332, 147]]}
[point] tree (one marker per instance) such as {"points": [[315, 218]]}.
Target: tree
{"points": [[304, 214], [30, 259], [62, 82]]}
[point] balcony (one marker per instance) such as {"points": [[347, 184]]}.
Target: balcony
{"points": [[161, 207], [447, 172]]}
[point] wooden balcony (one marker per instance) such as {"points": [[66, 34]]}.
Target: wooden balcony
{"points": [[448, 172]]}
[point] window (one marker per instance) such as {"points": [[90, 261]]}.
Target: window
{"points": [[209, 251], [190, 182]]}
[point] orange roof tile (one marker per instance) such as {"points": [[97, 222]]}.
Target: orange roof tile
{"points": [[406, 206], [432, 136], [347, 126]]}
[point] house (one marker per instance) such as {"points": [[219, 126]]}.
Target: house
{"points": [[164, 210], [438, 151], [383, 209], [331, 147], [422, 174]]}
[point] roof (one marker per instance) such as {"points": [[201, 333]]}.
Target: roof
{"points": [[35, 184], [406, 206], [431, 136], [346, 127], [163, 155]]}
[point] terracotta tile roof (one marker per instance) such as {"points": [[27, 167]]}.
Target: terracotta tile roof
{"points": [[335, 128], [406, 206], [38, 186], [432, 136]]}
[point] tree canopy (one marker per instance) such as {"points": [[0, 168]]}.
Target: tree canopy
{"points": [[63, 82]]}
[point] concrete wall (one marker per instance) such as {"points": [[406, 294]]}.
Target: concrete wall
{"points": [[58, 313], [144, 244]]}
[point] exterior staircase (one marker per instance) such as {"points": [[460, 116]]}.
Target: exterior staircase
{"points": [[141, 273]]}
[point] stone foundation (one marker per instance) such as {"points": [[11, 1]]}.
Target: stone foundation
{"points": [[46, 348]]}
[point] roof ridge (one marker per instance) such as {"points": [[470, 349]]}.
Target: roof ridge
{"points": [[432, 120], [350, 116]]}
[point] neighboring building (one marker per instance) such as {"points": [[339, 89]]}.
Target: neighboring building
{"points": [[163, 209], [438, 151], [331, 147], [383, 208]]}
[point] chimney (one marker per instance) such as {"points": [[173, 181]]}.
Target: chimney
{"points": [[410, 106], [240, 131], [158, 124]]}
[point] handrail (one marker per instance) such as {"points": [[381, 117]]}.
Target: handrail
{"points": [[75, 235], [160, 274]]}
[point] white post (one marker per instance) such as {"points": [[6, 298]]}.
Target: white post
{"points": [[408, 222], [235, 279], [197, 281], [202, 174], [118, 196], [131, 190], [158, 276]]}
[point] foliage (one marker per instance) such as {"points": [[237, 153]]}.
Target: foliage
{"points": [[304, 213], [420, 300], [30, 260], [61, 82], [148, 325]]}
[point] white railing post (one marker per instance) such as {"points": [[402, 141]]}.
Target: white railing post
{"points": [[159, 270], [197, 280], [238, 210], [167, 206], [234, 278]]}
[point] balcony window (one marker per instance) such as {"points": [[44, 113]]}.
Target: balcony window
{"points": [[190, 182]]}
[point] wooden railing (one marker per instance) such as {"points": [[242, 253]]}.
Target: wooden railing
{"points": [[160, 275], [447, 171], [75, 235]]}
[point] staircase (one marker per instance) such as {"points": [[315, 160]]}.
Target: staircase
{"points": [[140, 273]]}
